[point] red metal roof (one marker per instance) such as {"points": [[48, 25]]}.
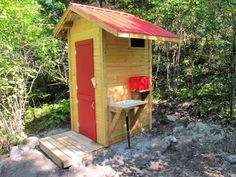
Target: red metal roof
{"points": [[122, 22]]}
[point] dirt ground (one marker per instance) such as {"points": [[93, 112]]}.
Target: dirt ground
{"points": [[170, 149]]}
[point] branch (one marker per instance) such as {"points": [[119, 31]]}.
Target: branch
{"points": [[32, 83]]}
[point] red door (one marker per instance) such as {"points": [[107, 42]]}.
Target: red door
{"points": [[85, 89]]}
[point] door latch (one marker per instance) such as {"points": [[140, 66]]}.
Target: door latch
{"points": [[93, 104], [93, 80]]}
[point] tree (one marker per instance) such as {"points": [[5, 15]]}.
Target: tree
{"points": [[26, 50]]}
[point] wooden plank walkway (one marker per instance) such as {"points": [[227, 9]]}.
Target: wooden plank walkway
{"points": [[68, 147]]}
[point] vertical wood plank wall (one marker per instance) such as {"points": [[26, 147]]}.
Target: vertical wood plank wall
{"points": [[122, 62], [82, 30]]}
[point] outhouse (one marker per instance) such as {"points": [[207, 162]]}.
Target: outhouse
{"points": [[110, 71]]}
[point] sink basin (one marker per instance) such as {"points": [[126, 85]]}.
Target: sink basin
{"points": [[126, 103]]}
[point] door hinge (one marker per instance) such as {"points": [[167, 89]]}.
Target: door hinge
{"points": [[75, 52], [77, 101]]}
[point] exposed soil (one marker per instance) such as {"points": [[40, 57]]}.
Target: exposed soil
{"points": [[200, 150], [171, 148]]}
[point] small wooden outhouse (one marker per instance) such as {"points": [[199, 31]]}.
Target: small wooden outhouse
{"points": [[106, 50]]}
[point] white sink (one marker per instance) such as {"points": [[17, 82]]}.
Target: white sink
{"points": [[125, 103]]}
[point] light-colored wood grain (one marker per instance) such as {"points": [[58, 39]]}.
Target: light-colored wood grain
{"points": [[122, 62], [61, 159], [83, 29], [104, 90], [114, 62], [73, 141], [150, 75], [59, 25], [75, 148], [134, 119], [84, 141], [114, 120], [63, 147], [150, 37], [68, 147], [72, 98], [90, 19]]}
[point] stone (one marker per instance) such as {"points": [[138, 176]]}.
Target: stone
{"points": [[155, 165], [179, 130], [172, 118], [199, 127], [186, 105], [231, 159], [15, 153], [167, 142], [78, 162], [32, 142], [28, 144], [2, 163]]}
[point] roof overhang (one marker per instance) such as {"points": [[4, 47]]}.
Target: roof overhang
{"points": [[66, 22]]}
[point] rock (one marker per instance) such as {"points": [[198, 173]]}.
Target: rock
{"points": [[199, 127], [231, 159], [172, 118], [155, 142], [29, 143], [24, 149], [33, 142], [167, 142], [186, 105], [2, 163], [155, 166], [178, 130], [15, 153], [78, 162]]}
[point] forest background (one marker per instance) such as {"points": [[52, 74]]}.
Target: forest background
{"points": [[201, 68]]}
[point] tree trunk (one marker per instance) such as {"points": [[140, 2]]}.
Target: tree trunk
{"points": [[233, 69], [168, 68], [99, 2], [158, 65]]}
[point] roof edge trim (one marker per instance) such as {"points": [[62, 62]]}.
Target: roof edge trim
{"points": [[150, 37], [90, 19], [71, 9], [61, 22]]}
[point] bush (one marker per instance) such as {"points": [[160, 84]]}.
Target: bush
{"points": [[47, 116]]}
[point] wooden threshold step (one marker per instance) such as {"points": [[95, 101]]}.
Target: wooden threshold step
{"points": [[66, 148]]}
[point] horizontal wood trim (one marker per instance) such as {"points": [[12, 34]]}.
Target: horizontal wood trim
{"points": [[149, 37]]}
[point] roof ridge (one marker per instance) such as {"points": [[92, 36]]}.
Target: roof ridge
{"points": [[102, 9]]}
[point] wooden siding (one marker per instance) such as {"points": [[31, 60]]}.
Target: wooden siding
{"points": [[82, 30], [121, 62]]}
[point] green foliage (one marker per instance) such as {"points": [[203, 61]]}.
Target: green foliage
{"points": [[27, 49], [33, 64], [47, 116], [17, 65], [202, 71], [212, 90]]}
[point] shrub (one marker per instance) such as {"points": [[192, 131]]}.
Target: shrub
{"points": [[47, 116]]}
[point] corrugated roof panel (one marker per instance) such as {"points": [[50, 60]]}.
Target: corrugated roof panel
{"points": [[123, 22]]}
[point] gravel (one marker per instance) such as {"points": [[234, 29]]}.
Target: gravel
{"points": [[198, 149]]}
